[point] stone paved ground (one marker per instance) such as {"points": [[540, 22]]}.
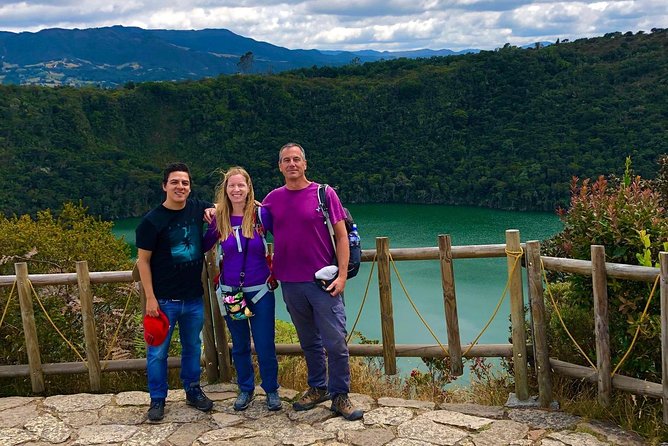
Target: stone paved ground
{"points": [[107, 419]]}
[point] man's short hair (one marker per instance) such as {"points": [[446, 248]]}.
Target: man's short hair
{"points": [[287, 146], [175, 167]]}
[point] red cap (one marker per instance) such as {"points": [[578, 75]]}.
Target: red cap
{"points": [[156, 328]]}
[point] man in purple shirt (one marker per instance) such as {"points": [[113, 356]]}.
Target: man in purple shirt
{"points": [[302, 246]]}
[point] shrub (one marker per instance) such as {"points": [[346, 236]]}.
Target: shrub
{"points": [[627, 218], [53, 244]]}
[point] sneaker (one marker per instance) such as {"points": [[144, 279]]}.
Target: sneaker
{"points": [[310, 398], [342, 405], [274, 401], [243, 400], [196, 398], [157, 410]]}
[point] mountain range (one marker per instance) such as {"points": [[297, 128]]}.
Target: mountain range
{"points": [[117, 55]]}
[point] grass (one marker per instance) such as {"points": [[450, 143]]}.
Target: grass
{"points": [[632, 413]]}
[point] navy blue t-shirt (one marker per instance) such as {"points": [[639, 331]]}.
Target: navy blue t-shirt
{"points": [[174, 238]]}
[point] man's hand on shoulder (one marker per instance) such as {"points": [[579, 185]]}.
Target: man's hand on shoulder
{"points": [[209, 214]]}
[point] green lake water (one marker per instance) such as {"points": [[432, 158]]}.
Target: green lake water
{"points": [[479, 282]]}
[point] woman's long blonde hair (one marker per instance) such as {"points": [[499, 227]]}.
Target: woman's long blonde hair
{"points": [[224, 205]]}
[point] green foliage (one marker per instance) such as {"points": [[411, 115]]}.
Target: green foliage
{"points": [[627, 218], [503, 129], [645, 258], [53, 244], [613, 215], [578, 319], [435, 379], [285, 333]]}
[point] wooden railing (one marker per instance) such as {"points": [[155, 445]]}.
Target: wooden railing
{"points": [[217, 349]]}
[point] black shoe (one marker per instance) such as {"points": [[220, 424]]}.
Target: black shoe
{"points": [[243, 400], [157, 410], [196, 398]]}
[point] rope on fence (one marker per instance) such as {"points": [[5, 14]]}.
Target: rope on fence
{"points": [[118, 327], [9, 299], [113, 340], [635, 336], [561, 319], [403, 287], [39, 301], [517, 255], [366, 292]]}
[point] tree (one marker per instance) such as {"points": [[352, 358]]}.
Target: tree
{"points": [[245, 63]]}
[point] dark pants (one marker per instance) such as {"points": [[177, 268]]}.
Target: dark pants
{"points": [[262, 327], [320, 320]]}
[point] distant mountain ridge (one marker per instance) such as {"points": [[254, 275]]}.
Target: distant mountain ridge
{"points": [[116, 55]]}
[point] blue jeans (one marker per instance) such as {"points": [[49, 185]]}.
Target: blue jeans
{"points": [[262, 326], [320, 320], [189, 314]]}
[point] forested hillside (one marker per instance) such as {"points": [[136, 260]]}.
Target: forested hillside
{"points": [[504, 129]]}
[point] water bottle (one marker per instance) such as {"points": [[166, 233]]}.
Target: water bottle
{"points": [[355, 252], [353, 236]]}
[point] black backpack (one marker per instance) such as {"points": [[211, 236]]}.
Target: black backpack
{"points": [[355, 248]]}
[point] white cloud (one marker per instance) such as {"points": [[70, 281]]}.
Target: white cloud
{"points": [[360, 24]]}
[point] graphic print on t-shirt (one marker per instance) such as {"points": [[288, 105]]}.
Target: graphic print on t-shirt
{"points": [[185, 242]]}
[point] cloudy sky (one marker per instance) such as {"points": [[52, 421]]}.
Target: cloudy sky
{"points": [[353, 24]]}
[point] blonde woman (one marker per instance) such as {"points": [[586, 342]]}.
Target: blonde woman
{"points": [[245, 289]]}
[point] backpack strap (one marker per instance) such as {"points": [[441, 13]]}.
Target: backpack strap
{"points": [[322, 204], [259, 227], [271, 284]]}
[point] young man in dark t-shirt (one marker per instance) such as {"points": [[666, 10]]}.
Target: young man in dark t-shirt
{"points": [[169, 259]]}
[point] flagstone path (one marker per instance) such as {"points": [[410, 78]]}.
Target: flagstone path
{"points": [[120, 419]]}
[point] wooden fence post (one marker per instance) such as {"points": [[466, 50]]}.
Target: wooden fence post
{"points": [[600, 283], [450, 304], [90, 334], [220, 334], [663, 259], [210, 354], [29, 328], [142, 294], [539, 329], [517, 318], [386, 312]]}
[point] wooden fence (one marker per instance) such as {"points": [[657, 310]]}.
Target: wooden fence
{"points": [[217, 350]]}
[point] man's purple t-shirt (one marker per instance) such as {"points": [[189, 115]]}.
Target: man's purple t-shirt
{"points": [[302, 244]]}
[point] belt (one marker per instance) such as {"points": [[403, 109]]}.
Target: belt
{"points": [[261, 289]]}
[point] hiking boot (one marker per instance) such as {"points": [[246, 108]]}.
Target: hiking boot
{"points": [[196, 398], [274, 401], [157, 410], [310, 398], [342, 405], [243, 400]]}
